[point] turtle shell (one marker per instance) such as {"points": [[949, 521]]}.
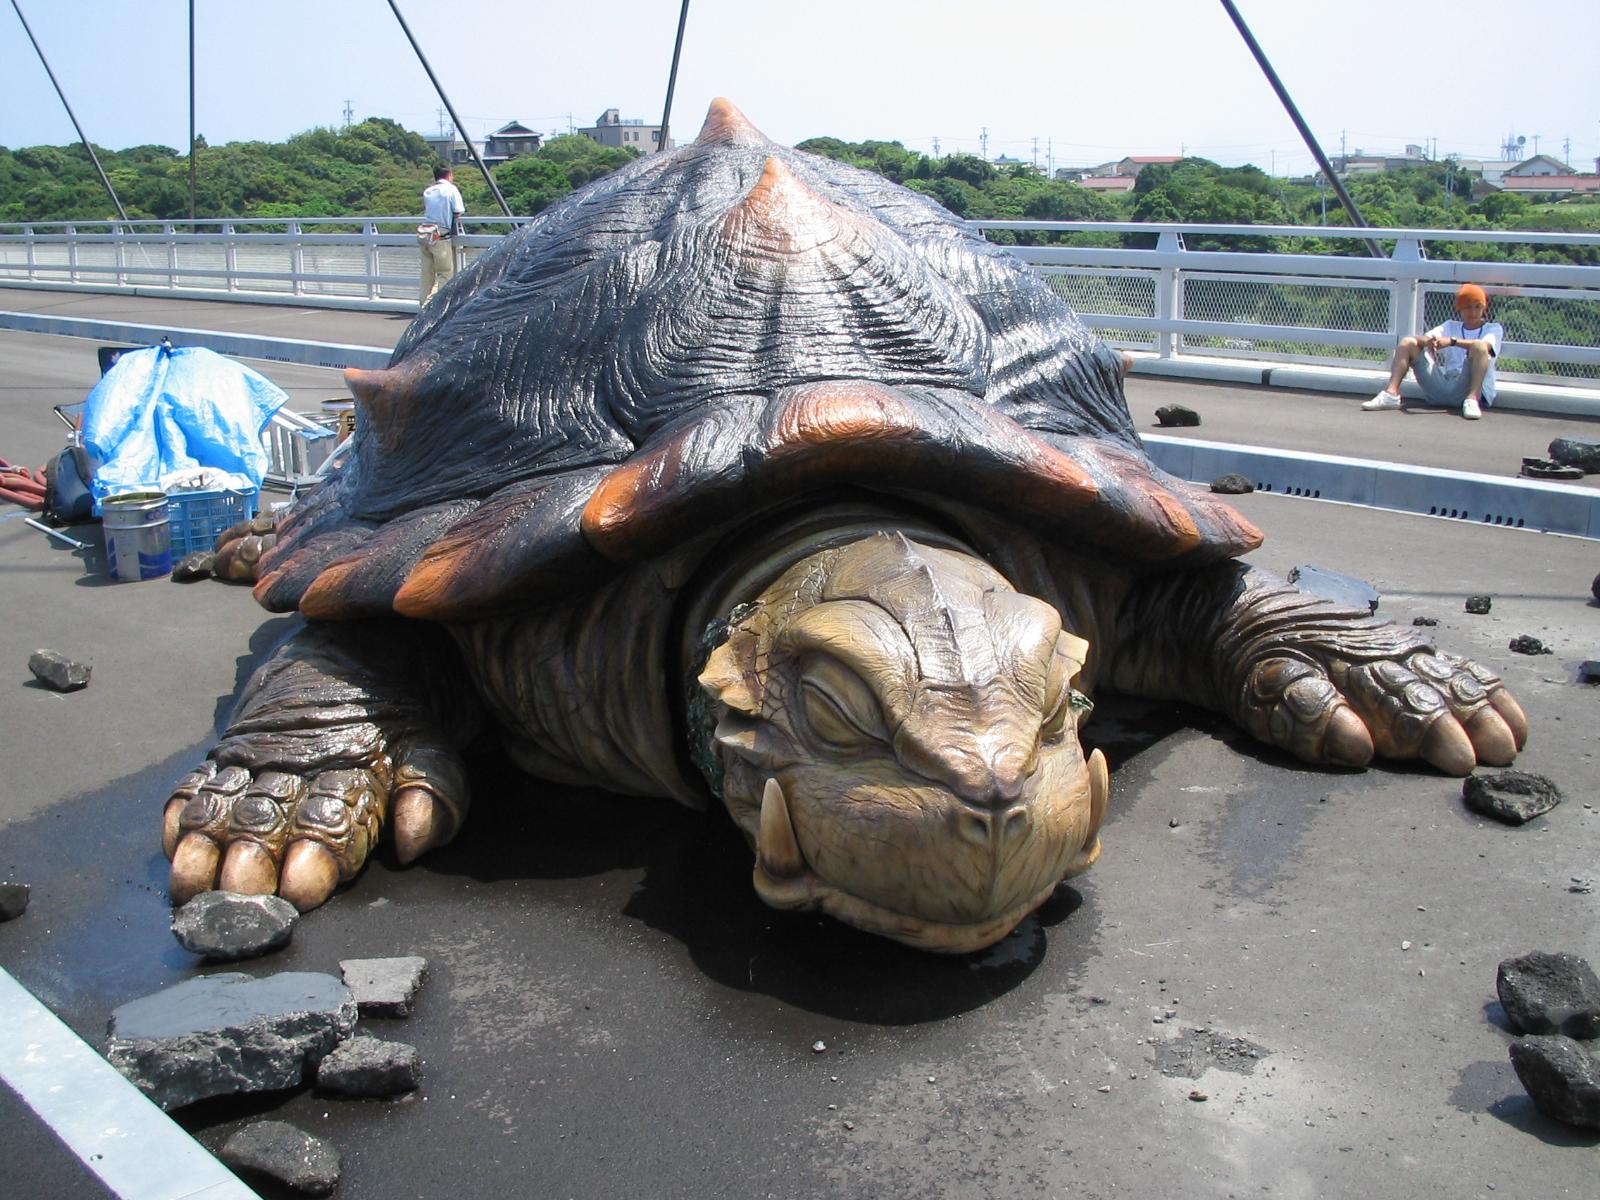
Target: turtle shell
{"points": [[698, 337]]}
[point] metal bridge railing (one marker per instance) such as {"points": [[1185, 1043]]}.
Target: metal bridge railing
{"points": [[1178, 303]]}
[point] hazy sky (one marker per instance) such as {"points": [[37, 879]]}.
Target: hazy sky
{"points": [[1069, 81]]}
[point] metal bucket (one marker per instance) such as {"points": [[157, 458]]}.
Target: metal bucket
{"points": [[138, 541]]}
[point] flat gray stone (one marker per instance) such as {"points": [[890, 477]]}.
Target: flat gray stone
{"points": [[291, 1156], [223, 1034], [1550, 993], [369, 1066], [1514, 797], [1232, 485], [227, 925], [1330, 585], [1562, 1077], [13, 900], [384, 987], [58, 671]]}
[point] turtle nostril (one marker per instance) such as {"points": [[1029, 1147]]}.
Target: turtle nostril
{"points": [[975, 828], [992, 828]]}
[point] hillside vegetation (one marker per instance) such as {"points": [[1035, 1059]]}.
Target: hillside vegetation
{"points": [[377, 168]]}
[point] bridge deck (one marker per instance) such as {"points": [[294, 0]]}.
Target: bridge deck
{"points": [[610, 1010]]}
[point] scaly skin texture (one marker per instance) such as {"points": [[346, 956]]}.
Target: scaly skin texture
{"points": [[341, 733], [1328, 683], [895, 722]]}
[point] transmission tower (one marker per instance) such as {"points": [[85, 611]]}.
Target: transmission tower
{"points": [[349, 114]]}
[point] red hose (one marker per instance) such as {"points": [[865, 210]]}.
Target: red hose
{"points": [[22, 485]]}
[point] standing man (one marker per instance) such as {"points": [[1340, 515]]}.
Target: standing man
{"points": [[1453, 363], [441, 215]]}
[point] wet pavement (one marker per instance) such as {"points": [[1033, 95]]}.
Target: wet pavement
{"points": [[610, 1010]]}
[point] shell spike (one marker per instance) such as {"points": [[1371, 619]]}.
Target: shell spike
{"points": [[726, 124]]}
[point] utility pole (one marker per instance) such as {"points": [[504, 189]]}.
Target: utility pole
{"points": [[1536, 145], [983, 143], [1035, 154], [193, 139]]}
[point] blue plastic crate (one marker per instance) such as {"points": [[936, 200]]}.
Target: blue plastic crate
{"points": [[194, 519]]}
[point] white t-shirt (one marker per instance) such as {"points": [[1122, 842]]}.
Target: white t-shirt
{"points": [[440, 204], [1453, 358]]}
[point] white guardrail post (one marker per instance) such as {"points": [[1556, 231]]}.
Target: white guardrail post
{"points": [[1169, 295], [1405, 308], [297, 258], [230, 256], [369, 235]]}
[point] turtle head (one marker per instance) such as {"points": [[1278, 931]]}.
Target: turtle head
{"points": [[897, 729]]}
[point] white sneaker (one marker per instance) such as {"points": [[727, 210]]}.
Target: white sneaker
{"points": [[1470, 409], [1381, 401]]}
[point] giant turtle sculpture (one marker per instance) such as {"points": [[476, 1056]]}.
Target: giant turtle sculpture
{"points": [[743, 472]]}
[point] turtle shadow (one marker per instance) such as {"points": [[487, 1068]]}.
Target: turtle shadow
{"points": [[692, 882]]}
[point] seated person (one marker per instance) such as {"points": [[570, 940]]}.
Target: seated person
{"points": [[1454, 363]]}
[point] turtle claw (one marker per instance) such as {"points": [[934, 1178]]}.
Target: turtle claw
{"points": [[310, 873], [241, 546], [194, 868], [248, 869], [1447, 746], [302, 836]]}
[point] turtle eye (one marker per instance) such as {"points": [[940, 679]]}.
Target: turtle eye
{"points": [[839, 706]]}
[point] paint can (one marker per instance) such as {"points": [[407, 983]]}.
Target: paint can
{"points": [[138, 538]]}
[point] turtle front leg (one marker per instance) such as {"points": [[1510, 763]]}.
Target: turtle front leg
{"points": [[1326, 682], [344, 729]]}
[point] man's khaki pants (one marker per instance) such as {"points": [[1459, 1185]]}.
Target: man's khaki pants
{"points": [[438, 265]]}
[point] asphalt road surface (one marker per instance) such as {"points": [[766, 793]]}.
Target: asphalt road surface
{"points": [[610, 1011]]}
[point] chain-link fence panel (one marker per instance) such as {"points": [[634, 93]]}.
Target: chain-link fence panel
{"points": [[1099, 297], [1548, 316], [1348, 306]]}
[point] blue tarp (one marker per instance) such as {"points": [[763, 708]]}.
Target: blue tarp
{"points": [[160, 415]]}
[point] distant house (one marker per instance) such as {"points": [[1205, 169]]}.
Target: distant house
{"points": [[610, 128], [449, 149], [508, 141], [1006, 160], [1539, 164], [1488, 170], [1551, 185], [1135, 163], [1360, 163], [1108, 183]]}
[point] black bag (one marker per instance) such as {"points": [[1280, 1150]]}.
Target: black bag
{"points": [[67, 498]]}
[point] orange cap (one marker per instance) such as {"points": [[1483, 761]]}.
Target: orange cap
{"points": [[1471, 292]]}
